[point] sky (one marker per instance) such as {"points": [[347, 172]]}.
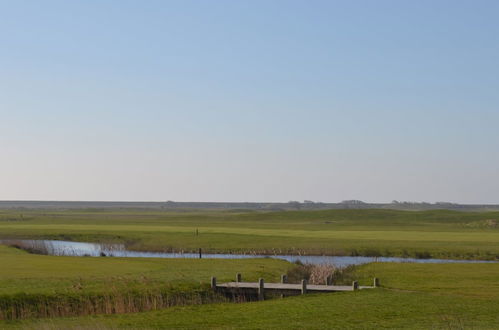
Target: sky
{"points": [[249, 100]]}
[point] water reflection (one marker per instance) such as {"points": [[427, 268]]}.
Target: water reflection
{"points": [[67, 248]]}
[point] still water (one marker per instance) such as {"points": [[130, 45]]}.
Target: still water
{"points": [[67, 248]]}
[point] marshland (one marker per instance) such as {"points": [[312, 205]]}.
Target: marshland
{"points": [[38, 289]]}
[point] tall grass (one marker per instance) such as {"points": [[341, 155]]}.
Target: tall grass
{"points": [[24, 306], [317, 274]]}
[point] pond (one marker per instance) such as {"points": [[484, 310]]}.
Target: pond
{"points": [[81, 249]]}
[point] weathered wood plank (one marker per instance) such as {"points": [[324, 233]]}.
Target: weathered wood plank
{"points": [[287, 286]]}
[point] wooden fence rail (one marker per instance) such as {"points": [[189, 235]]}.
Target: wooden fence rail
{"points": [[284, 288]]}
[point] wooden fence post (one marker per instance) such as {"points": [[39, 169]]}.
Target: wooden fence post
{"points": [[303, 286], [355, 285], [376, 282], [238, 277], [261, 293], [214, 283], [284, 279]]}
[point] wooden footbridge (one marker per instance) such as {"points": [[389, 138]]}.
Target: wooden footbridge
{"points": [[284, 288]]}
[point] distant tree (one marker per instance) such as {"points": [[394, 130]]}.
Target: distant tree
{"points": [[353, 202], [444, 203]]}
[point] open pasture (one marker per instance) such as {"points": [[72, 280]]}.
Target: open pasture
{"points": [[49, 286], [413, 296], [21, 272], [439, 234]]}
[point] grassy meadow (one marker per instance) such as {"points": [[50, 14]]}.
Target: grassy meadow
{"points": [[412, 296], [39, 285], [22, 272], [440, 233], [49, 292]]}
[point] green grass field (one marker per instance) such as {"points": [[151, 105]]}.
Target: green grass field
{"points": [[47, 286], [421, 296], [414, 296], [21, 272], [443, 234]]}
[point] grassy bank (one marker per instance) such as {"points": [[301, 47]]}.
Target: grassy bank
{"points": [[439, 234], [413, 296], [48, 286]]}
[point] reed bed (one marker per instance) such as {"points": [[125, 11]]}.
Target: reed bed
{"points": [[24, 306], [318, 274]]}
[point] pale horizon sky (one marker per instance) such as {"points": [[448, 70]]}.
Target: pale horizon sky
{"points": [[265, 101]]}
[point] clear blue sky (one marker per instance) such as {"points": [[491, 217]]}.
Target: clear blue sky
{"points": [[249, 100]]}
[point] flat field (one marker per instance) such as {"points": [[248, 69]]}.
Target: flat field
{"points": [[39, 286], [440, 234], [25, 273], [413, 296]]}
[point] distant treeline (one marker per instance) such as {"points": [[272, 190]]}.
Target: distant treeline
{"points": [[291, 205]]}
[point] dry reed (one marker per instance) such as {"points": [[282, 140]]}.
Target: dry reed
{"points": [[23, 306]]}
